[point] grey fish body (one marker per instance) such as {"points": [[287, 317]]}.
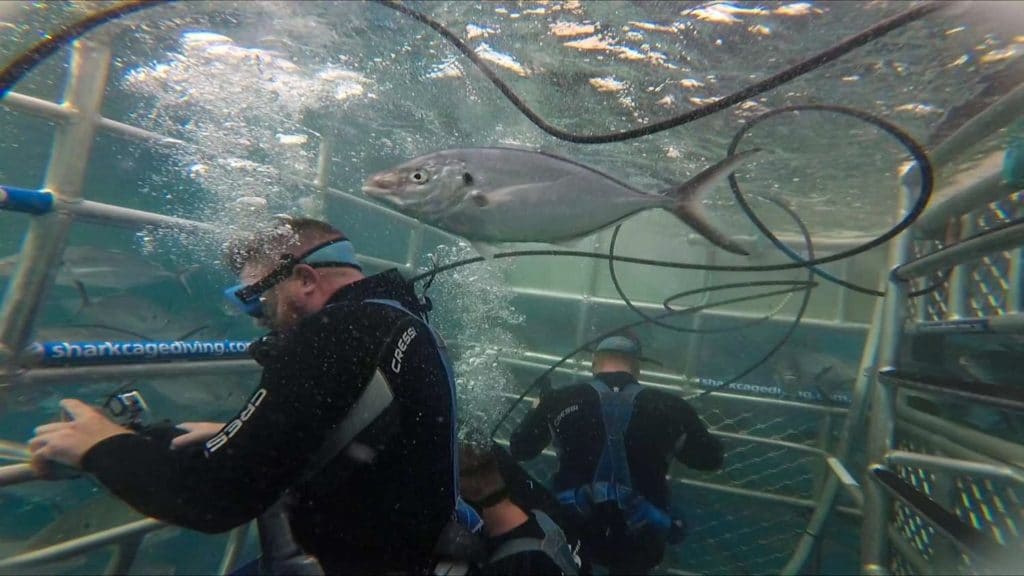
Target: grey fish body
{"points": [[531, 197], [514, 195], [89, 266]]}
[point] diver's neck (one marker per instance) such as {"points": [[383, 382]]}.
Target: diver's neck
{"points": [[503, 518]]}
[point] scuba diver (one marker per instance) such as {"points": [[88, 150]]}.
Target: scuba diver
{"points": [[614, 440], [349, 437], [517, 542]]}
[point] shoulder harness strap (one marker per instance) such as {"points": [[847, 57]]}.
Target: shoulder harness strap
{"points": [[612, 473], [553, 545]]}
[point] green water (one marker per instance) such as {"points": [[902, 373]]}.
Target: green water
{"points": [[252, 110]]}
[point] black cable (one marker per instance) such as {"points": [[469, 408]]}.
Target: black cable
{"points": [[809, 246], [916, 151], [814, 62], [29, 59], [629, 303]]}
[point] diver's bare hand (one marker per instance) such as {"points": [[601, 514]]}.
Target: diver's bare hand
{"points": [[67, 442], [196, 432]]}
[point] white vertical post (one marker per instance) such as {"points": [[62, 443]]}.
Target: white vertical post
{"points": [[47, 234]]}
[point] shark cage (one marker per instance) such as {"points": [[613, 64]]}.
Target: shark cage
{"points": [[885, 437]]}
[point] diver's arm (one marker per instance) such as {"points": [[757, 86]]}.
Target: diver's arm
{"points": [[261, 452], [699, 449], [533, 434]]}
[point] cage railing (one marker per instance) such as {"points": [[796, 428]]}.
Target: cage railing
{"points": [[968, 452]]}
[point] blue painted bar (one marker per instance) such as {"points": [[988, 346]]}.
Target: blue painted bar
{"points": [[115, 352], [25, 200]]}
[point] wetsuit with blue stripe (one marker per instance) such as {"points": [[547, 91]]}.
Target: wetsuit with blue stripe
{"points": [[384, 514], [660, 426]]}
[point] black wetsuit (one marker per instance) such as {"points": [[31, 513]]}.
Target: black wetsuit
{"points": [[531, 563], [355, 517], [660, 420]]}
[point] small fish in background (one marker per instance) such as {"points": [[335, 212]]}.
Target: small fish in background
{"points": [[202, 397], [493, 195], [138, 315], [85, 267]]}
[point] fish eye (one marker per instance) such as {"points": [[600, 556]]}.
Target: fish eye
{"points": [[419, 177]]}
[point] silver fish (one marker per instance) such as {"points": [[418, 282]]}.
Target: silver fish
{"points": [[130, 313], [85, 267], [489, 195]]}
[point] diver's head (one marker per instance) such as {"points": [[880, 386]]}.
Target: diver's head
{"points": [[290, 270], [480, 479], [617, 354]]}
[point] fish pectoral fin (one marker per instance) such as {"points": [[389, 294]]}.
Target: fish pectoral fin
{"points": [[479, 198], [485, 249], [570, 243], [182, 276]]}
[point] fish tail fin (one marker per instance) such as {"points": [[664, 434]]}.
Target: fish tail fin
{"points": [[182, 276], [687, 198]]}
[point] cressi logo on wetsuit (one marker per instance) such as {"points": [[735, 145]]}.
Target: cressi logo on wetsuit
{"points": [[232, 428], [403, 343]]}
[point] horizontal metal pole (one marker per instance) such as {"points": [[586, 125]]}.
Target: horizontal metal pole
{"points": [[999, 114], [1005, 324], [772, 442], [1006, 238], [789, 500], [758, 245], [1002, 396], [1003, 450], [37, 107], [971, 190], [680, 385], [16, 474], [712, 313], [51, 376], [931, 462], [57, 113], [943, 444], [11, 450], [110, 215], [95, 353], [81, 545], [909, 553]]}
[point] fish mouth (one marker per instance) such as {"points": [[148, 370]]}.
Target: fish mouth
{"points": [[375, 191], [381, 185]]}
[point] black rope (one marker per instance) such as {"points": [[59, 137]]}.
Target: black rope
{"points": [[29, 59]]}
